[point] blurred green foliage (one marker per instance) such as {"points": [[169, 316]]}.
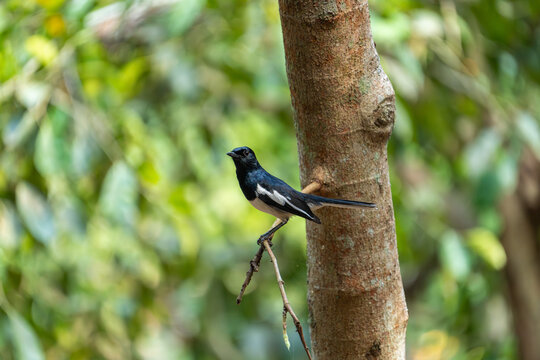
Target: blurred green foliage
{"points": [[123, 233]]}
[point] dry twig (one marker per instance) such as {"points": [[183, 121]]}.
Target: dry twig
{"points": [[286, 305], [254, 266]]}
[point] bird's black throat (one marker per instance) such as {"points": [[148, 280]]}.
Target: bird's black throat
{"points": [[246, 179]]}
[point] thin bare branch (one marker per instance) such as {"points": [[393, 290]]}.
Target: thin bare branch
{"points": [[286, 305], [254, 265]]}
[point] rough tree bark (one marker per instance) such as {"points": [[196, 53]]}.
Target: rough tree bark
{"points": [[344, 109]]}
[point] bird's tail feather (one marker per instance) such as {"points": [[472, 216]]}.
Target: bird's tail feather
{"points": [[320, 201]]}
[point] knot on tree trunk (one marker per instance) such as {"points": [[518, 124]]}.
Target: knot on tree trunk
{"points": [[384, 114]]}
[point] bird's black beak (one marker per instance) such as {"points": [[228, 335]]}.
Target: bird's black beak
{"points": [[233, 155]]}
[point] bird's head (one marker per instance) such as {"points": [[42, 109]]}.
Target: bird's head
{"points": [[244, 157]]}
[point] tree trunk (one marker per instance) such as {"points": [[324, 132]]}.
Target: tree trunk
{"points": [[344, 109]]}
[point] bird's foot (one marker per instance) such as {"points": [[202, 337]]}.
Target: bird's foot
{"points": [[264, 237]]}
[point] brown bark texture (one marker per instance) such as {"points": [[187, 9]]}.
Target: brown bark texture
{"points": [[521, 214], [344, 108]]}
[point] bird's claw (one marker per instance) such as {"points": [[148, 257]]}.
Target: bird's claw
{"points": [[262, 238]]}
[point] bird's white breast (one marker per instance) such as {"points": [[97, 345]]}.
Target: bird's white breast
{"points": [[261, 205]]}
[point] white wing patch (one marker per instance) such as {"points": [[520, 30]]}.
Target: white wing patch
{"points": [[280, 199]]}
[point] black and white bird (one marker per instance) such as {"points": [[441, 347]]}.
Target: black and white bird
{"points": [[271, 195]]}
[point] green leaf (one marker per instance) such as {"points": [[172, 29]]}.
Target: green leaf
{"points": [[41, 48], [70, 218], [46, 158], [427, 24], [52, 155], [184, 14], [26, 341], [10, 227], [285, 336], [487, 246], [130, 75], [18, 129], [507, 170], [36, 213], [118, 198], [479, 154], [50, 4], [4, 18], [392, 30], [83, 152], [32, 93], [530, 131], [454, 256], [403, 127]]}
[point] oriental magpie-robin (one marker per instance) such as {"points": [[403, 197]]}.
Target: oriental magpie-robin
{"points": [[271, 195]]}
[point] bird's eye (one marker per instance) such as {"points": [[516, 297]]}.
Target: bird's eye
{"points": [[246, 152]]}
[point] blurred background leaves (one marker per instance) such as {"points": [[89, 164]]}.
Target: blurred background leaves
{"points": [[123, 233]]}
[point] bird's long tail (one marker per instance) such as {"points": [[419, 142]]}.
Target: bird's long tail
{"points": [[320, 201]]}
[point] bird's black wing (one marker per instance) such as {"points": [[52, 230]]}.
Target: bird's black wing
{"points": [[276, 193]]}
